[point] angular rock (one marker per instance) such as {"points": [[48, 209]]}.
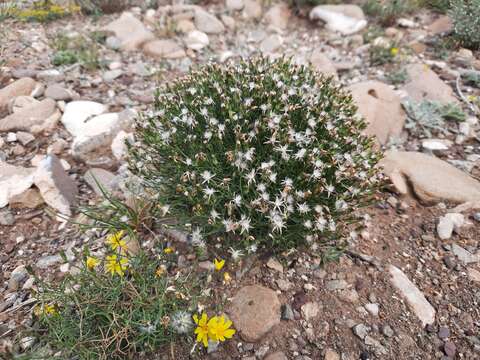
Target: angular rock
{"points": [[278, 16], [50, 76], [101, 180], [431, 179], [30, 199], [310, 310], [34, 118], [234, 5], [57, 189], [184, 26], [196, 40], [449, 223], [331, 355], [436, 144], [21, 102], [130, 31], [25, 138], [78, 112], [381, 107], [441, 25], [59, 93], [6, 218], [207, 22], [274, 264], [119, 147], [474, 275], [254, 311], [415, 298], [164, 49], [345, 19], [111, 75], [24, 86], [48, 261], [14, 180], [466, 257], [322, 64], [425, 84]]}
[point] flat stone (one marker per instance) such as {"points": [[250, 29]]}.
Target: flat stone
{"points": [[441, 25], [130, 31], [466, 257], [274, 264], [51, 76], [196, 40], [111, 75], [35, 118], [331, 355], [271, 43], [6, 218], [77, 113], [24, 86], [254, 311], [372, 308], [21, 102], [360, 330], [310, 310], [415, 298], [99, 179], [164, 49], [322, 63], [57, 189], [234, 5], [433, 180], [336, 285], [24, 137], [381, 107], [59, 93], [30, 199], [207, 22], [425, 84], [436, 144], [278, 16], [345, 19], [474, 275], [279, 355], [47, 261], [449, 223], [14, 180]]}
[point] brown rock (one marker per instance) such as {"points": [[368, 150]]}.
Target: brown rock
{"points": [[278, 16], [474, 275], [24, 86], [254, 311], [425, 84], [381, 107], [56, 187], [322, 63], [34, 118], [431, 179], [30, 199], [21, 102], [441, 25], [130, 31], [279, 355], [100, 180], [331, 355], [14, 180], [167, 49]]}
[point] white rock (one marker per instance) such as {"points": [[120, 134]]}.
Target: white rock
{"points": [[234, 5], [78, 112], [11, 137], [436, 144], [336, 18], [465, 256], [14, 180], [110, 75], [406, 23], [372, 308], [449, 223], [196, 40], [415, 298], [56, 187], [119, 148]]}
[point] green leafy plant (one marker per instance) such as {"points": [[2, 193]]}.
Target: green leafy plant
{"points": [[427, 117], [388, 11], [381, 54], [472, 77], [260, 152], [439, 5], [79, 49], [8, 10], [466, 20], [397, 77]]}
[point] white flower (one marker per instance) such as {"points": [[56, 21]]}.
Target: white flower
{"points": [[250, 177], [261, 187], [330, 189], [278, 224], [252, 249], [272, 177], [317, 174], [278, 203], [165, 209], [287, 182], [229, 225], [303, 208], [308, 224], [207, 176], [244, 224], [300, 154], [188, 161], [236, 254], [237, 200], [214, 214], [208, 192]]}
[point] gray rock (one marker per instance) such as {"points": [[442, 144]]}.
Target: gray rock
{"points": [[415, 298], [465, 256], [372, 308], [336, 285], [34, 118], [101, 180], [287, 312], [271, 43], [279, 355], [130, 31], [51, 76], [387, 331], [208, 23], [14, 180], [59, 93], [164, 49], [113, 42], [18, 275], [110, 75], [25, 138], [345, 19], [360, 330], [6, 218], [47, 261]]}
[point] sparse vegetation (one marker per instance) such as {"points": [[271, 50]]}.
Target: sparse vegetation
{"points": [[78, 49], [386, 12], [383, 52], [43, 11], [103, 6], [466, 20], [397, 77]]}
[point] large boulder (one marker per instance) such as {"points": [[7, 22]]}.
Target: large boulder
{"points": [[431, 179], [34, 118], [130, 31], [381, 107], [345, 19], [254, 311], [23, 86], [425, 84]]}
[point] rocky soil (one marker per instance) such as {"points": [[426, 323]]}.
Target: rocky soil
{"points": [[408, 286]]}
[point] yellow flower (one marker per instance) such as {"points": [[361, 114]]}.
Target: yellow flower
{"points": [[471, 98], [168, 250], [219, 328], [203, 329], [92, 262], [45, 310], [226, 278], [218, 264], [160, 271], [394, 51], [116, 265], [115, 240]]}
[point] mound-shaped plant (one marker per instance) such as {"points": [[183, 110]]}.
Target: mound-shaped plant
{"points": [[259, 152], [466, 18]]}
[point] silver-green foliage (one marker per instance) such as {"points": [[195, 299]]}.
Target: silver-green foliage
{"points": [[256, 152], [466, 18]]}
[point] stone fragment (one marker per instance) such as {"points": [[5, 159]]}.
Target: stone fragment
{"points": [[279, 355], [372, 308], [474, 275], [322, 63], [449, 223], [381, 107], [415, 298], [254, 311], [57, 189], [30, 199], [336, 285], [18, 275], [6, 218], [23, 86], [164, 49], [432, 180], [196, 40], [35, 118], [130, 31], [207, 22], [436, 144], [51, 76], [441, 25], [119, 147], [425, 84], [59, 93], [360, 330], [345, 19], [14, 180], [466, 257], [234, 5], [331, 355], [310, 310], [184, 26], [100, 180], [47, 261], [278, 16], [21, 102], [252, 9], [110, 75], [25, 138], [274, 264]]}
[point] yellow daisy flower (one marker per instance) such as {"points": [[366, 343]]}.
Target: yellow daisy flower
{"points": [[92, 262], [168, 250], [219, 328], [115, 265], [115, 240], [203, 328]]}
